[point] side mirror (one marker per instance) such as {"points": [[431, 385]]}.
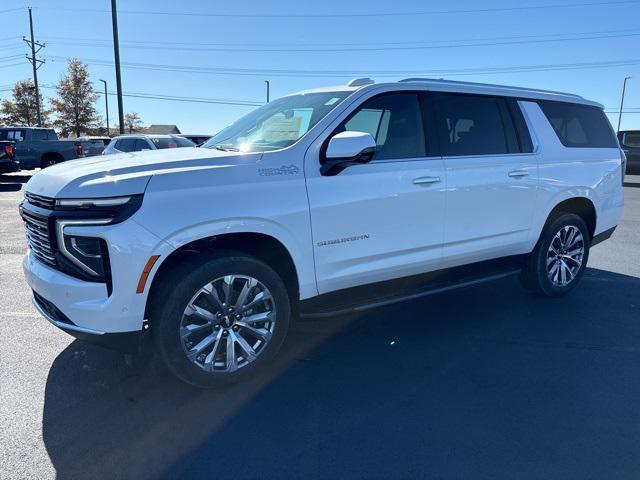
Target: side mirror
{"points": [[346, 149]]}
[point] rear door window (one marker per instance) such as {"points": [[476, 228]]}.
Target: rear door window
{"points": [[395, 123], [142, 144], [579, 125], [40, 135], [475, 125]]}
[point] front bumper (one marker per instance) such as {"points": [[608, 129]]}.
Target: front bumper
{"points": [[87, 309], [127, 342]]}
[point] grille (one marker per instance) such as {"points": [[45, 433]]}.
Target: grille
{"points": [[37, 232], [40, 201]]}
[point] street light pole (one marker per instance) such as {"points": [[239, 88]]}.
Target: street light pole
{"points": [[624, 87], [106, 103], [267, 84], [116, 53]]}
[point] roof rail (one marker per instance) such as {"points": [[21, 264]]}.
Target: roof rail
{"points": [[358, 82], [489, 85]]}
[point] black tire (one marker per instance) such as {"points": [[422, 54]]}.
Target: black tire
{"points": [[178, 287], [535, 276], [49, 160]]}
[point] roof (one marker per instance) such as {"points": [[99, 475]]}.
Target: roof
{"points": [[462, 87], [163, 129]]}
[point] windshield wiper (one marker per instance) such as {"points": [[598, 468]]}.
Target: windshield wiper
{"points": [[226, 148]]}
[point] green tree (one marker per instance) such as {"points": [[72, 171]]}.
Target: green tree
{"points": [[75, 104], [22, 109]]}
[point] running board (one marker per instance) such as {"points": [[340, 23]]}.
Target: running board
{"points": [[412, 295]]}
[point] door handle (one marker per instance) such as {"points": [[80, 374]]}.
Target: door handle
{"points": [[518, 173], [425, 180]]}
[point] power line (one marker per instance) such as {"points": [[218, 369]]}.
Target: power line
{"points": [[353, 15], [13, 9], [227, 45], [346, 73], [12, 65], [176, 98], [357, 49]]}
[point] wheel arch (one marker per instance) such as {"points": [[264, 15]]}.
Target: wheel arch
{"points": [[583, 206], [262, 246], [53, 155]]}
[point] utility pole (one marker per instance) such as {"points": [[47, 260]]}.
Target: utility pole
{"points": [[116, 53], [624, 87], [267, 84], [106, 103], [36, 63]]}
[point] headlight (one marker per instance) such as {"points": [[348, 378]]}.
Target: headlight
{"points": [[88, 253], [85, 255]]}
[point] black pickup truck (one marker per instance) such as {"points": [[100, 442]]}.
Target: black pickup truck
{"points": [[8, 161], [39, 147], [630, 143]]}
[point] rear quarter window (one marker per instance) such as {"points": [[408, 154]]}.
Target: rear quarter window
{"points": [[579, 126]]}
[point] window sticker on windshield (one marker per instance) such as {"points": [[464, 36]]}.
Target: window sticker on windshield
{"points": [[278, 129], [331, 101]]}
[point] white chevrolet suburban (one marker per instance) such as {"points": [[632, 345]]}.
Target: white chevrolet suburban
{"points": [[322, 202]]}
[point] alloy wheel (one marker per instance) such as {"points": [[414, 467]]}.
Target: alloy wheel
{"points": [[565, 255], [228, 323]]}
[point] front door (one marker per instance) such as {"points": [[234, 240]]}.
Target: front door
{"points": [[384, 219]]}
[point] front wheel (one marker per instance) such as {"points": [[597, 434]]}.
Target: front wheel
{"points": [[218, 320], [558, 261]]}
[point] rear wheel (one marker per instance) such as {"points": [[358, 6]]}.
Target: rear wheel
{"points": [[219, 320], [558, 262], [50, 159]]}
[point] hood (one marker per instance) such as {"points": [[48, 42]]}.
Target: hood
{"points": [[126, 173]]}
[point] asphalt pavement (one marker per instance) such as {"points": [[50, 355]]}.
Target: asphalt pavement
{"points": [[486, 382]]}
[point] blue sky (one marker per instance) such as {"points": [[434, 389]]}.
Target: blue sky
{"points": [[229, 49]]}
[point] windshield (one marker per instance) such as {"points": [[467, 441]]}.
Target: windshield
{"points": [[277, 124]]}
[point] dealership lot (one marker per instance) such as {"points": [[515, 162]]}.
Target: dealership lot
{"points": [[487, 382]]}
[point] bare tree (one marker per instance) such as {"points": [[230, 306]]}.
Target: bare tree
{"points": [[75, 104], [21, 109], [132, 122]]}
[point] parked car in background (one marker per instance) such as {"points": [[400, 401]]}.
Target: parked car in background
{"points": [[139, 143], [197, 139], [321, 203], [630, 143], [37, 147], [93, 145], [8, 161]]}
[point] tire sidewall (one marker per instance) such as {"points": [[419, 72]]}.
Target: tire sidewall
{"points": [[544, 283], [181, 286]]}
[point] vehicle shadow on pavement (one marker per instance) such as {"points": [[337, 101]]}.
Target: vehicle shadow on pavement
{"points": [[12, 183], [486, 382]]}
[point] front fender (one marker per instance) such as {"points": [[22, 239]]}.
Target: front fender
{"points": [[303, 260]]}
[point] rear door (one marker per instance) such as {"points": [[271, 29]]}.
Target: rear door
{"points": [[492, 177], [384, 219]]}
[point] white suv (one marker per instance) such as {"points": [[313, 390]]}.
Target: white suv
{"points": [[322, 202]]}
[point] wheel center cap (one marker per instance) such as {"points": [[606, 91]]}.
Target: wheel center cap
{"points": [[227, 321]]}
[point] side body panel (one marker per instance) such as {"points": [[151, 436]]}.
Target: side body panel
{"points": [[592, 173], [258, 193]]}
